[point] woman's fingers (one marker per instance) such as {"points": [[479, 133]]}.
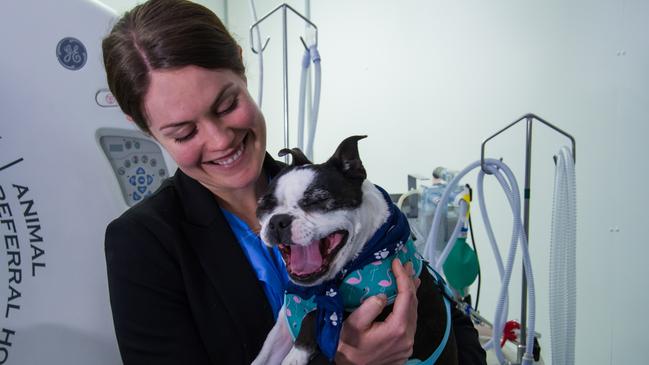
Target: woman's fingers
{"points": [[386, 343], [405, 305], [362, 318]]}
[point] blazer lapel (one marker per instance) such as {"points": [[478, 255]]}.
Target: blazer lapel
{"points": [[227, 268], [223, 260]]}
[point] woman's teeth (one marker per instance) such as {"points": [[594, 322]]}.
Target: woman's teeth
{"points": [[230, 160]]}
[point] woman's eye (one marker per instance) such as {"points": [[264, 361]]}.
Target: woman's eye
{"points": [[229, 106], [186, 137]]}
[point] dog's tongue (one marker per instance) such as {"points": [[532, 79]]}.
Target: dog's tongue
{"points": [[306, 259]]}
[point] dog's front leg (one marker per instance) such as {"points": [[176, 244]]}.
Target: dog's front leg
{"points": [[305, 346], [278, 343]]}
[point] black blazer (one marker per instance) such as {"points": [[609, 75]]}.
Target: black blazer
{"points": [[181, 288]]}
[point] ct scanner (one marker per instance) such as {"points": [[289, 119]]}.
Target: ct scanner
{"points": [[69, 163]]}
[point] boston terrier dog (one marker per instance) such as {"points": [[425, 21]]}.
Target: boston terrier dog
{"points": [[338, 234]]}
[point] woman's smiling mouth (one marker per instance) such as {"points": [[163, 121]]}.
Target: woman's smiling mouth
{"points": [[231, 159]]}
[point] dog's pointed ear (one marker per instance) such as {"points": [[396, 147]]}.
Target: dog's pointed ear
{"points": [[298, 157], [347, 159]]}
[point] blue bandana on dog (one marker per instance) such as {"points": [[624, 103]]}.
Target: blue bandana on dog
{"points": [[388, 240]]}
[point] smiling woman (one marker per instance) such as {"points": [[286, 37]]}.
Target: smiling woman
{"points": [[190, 280], [210, 126]]}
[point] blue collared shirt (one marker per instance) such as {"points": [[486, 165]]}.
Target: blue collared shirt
{"points": [[267, 263]]}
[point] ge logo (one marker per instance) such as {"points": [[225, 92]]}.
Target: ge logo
{"points": [[71, 53]]}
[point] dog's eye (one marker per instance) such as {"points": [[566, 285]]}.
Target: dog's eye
{"points": [[305, 203], [313, 203], [266, 202], [315, 198]]}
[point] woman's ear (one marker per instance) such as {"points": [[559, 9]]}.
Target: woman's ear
{"points": [[129, 118]]}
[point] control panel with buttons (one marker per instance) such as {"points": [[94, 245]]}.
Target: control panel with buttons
{"points": [[136, 160]]}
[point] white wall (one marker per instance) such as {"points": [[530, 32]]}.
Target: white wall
{"points": [[428, 81]]}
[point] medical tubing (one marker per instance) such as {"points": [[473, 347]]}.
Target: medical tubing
{"points": [[557, 320], [571, 255], [513, 195], [260, 55], [429, 248], [500, 315], [482, 202], [492, 241], [306, 62], [514, 200], [475, 249], [315, 107], [464, 207], [405, 196], [563, 261], [487, 221], [310, 56]]}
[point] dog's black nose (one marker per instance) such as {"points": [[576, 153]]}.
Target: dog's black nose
{"points": [[280, 227]]}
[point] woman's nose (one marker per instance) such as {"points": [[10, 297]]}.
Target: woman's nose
{"points": [[217, 136]]}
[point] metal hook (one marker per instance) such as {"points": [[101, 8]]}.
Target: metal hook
{"points": [[262, 48], [285, 6], [304, 44]]}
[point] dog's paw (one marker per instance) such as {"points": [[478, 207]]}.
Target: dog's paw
{"points": [[297, 356]]}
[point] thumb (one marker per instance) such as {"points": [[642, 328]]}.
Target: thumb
{"points": [[362, 318]]}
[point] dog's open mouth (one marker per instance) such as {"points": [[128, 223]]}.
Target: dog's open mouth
{"points": [[307, 263]]}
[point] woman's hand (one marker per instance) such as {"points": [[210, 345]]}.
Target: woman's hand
{"points": [[363, 341]]}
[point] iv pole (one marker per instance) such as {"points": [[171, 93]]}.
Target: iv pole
{"points": [[284, 8], [529, 118]]}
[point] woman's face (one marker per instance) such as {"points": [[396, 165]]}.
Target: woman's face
{"points": [[209, 124]]}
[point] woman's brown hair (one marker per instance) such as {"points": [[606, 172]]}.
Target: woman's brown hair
{"points": [[163, 34]]}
